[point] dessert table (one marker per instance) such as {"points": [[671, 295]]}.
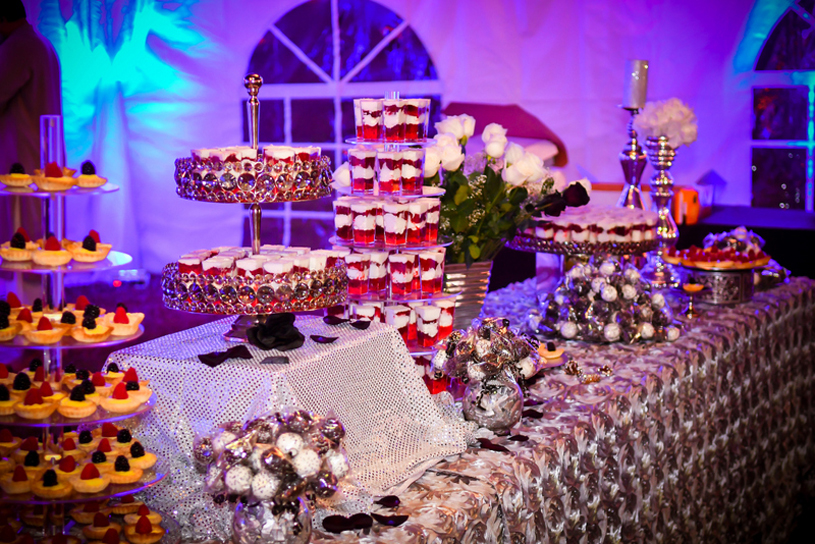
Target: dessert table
{"points": [[707, 438]]}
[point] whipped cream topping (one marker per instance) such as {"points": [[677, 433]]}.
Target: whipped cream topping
{"points": [[446, 320], [358, 172], [217, 262], [342, 220], [428, 313], [280, 266], [394, 223], [408, 171], [365, 222]]}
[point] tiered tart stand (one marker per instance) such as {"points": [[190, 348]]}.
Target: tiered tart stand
{"points": [[252, 182]]}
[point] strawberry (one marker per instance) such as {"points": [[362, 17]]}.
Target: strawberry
{"points": [[104, 446], [46, 390], [101, 520], [52, 244], [6, 437], [44, 324], [30, 444], [33, 397], [81, 302], [121, 316], [111, 537], [68, 464], [22, 232], [128, 499], [91, 507], [7, 533], [98, 380], [19, 474], [143, 510], [109, 430], [3, 371], [52, 170], [25, 315], [130, 375], [95, 235], [143, 526], [39, 374], [68, 444], [90, 472], [13, 301], [120, 391]]}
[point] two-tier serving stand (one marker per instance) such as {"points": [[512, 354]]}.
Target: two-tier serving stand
{"points": [[252, 182], [53, 427]]}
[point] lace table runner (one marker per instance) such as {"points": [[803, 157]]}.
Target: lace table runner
{"points": [[394, 428]]}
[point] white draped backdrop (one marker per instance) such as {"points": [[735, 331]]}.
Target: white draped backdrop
{"points": [[135, 100]]}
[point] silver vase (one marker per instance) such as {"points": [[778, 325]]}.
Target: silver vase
{"points": [[472, 283], [632, 160], [269, 522], [495, 403], [661, 155]]}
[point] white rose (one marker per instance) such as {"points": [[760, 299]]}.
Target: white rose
{"points": [[495, 147], [513, 175], [468, 124], [689, 133], [445, 139], [538, 170], [452, 125], [514, 153], [342, 175], [451, 157], [492, 131], [432, 161]]}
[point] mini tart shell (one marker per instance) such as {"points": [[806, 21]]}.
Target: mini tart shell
{"points": [[85, 518], [76, 409], [45, 257], [43, 337], [44, 183], [136, 538], [10, 332], [7, 464], [7, 407], [120, 406], [19, 455], [33, 520], [35, 411], [16, 180], [90, 446], [14, 488], [69, 539], [62, 489], [63, 476], [142, 395], [128, 477], [96, 533], [154, 517], [14, 254], [81, 334], [82, 255], [106, 467], [113, 377], [94, 485], [90, 181], [124, 329], [148, 460], [122, 508]]}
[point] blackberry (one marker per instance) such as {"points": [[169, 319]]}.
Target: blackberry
{"points": [[136, 450], [17, 241], [121, 464], [77, 394], [68, 319], [98, 457], [85, 437], [89, 243], [88, 169], [17, 168]]}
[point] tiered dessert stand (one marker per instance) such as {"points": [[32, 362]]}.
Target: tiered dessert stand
{"points": [[252, 182], [388, 298]]}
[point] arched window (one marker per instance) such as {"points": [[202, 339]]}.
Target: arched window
{"points": [[315, 60], [783, 135]]}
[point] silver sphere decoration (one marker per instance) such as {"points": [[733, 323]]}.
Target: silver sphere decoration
{"points": [[268, 522], [496, 404]]}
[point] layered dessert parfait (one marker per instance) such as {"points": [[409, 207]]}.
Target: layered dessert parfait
{"points": [[398, 317], [390, 172], [343, 221], [431, 265], [358, 265], [412, 171], [446, 315], [417, 221], [378, 272], [597, 225], [427, 325], [368, 118], [395, 222], [362, 163], [401, 272], [393, 119], [416, 112], [431, 233], [364, 222]]}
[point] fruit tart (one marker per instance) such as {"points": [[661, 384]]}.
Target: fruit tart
{"points": [[91, 331], [137, 391], [112, 373], [6, 403], [154, 517], [76, 405], [16, 250], [8, 518], [87, 442], [14, 305], [67, 321], [24, 320], [101, 524], [140, 458], [84, 513], [49, 486], [49, 395], [107, 430], [36, 309], [8, 328], [80, 376], [27, 446], [7, 464], [44, 334], [16, 176], [16, 482], [123, 322], [90, 480], [123, 473], [54, 178], [111, 537], [67, 469], [20, 386], [33, 465], [68, 373], [60, 539], [101, 385], [88, 177], [8, 442], [100, 460], [144, 532], [34, 516], [69, 449], [132, 376], [34, 406], [126, 505], [120, 402], [91, 250], [122, 442], [51, 254]]}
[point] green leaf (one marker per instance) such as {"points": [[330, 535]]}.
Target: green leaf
{"points": [[517, 195], [493, 185], [475, 252], [461, 194], [460, 223], [473, 239]]}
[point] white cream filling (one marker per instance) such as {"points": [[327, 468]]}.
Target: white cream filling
{"points": [[399, 277], [386, 174], [430, 329], [280, 266], [428, 275], [446, 320], [343, 220], [394, 224], [364, 222], [362, 173], [408, 171]]}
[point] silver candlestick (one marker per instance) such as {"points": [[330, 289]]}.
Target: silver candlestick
{"points": [[661, 156], [253, 83], [632, 159]]}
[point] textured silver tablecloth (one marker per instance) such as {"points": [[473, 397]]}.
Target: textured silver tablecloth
{"points": [[703, 440]]}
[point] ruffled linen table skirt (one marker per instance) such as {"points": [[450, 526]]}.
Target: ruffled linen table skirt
{"points": [[707, 439]]}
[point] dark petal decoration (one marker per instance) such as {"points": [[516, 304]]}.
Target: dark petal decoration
{"points": [[389, 501], [531, 401], [390, 521], [276, 360], [553, 205], [487, 445], [337, 524], [334, 320], [519, 438], [278, 332], [532, 414], [217, 357], [361, 324], [575, 195], [361, 521], [324, 339]]}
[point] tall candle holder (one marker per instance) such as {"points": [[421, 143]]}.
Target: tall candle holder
{"points": [[661, 155], [632, 159]]}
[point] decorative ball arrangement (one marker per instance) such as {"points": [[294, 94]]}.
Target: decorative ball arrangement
{"points": [[605, 303], [273, 458]]}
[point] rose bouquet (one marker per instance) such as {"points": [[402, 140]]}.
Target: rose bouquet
{"points": [[670, 118], [491, 195]]}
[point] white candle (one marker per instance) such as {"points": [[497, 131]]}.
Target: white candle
{"points": [[636, 83]]}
